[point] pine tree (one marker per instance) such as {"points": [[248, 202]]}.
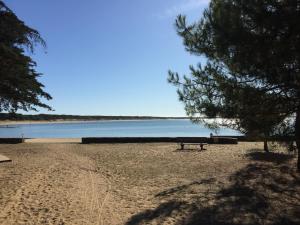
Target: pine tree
{"points": [[19, 86], [252, 75]]}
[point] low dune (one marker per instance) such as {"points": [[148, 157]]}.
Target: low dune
{"points": [[21, 122], [72, 183]]}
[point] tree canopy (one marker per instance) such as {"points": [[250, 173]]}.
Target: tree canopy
{"points": [[19, 86], [252, 74]]}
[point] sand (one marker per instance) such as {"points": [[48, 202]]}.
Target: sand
{"points": [[14, 122], [71, 183], [53, 140]]}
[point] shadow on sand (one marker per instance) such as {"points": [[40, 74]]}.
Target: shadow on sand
{"points": [[266, 191], [189, 150], [274, 157]]}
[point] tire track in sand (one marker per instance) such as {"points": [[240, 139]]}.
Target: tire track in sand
{"points": [[62, 188]]}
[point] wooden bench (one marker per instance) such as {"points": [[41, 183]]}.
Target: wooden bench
{"points": [[200, 144]]}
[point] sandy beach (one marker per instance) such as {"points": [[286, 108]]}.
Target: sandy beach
{"points": [[15, 122], [21, 122], [71, 183]]}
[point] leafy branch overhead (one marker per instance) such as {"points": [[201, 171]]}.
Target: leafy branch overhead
{"points": [[19, 86], [252, 74]]}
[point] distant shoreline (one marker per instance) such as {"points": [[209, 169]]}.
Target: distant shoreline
{"points": [[17, 118], [26, 122]]}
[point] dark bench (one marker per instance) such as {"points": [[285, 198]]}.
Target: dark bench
{"points": [[199, 144]]}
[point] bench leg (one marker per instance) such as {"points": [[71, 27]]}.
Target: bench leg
{"points": [[182, 146], [201, 146]]}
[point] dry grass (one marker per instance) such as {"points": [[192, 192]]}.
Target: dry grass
{"points": [[147, 184]]}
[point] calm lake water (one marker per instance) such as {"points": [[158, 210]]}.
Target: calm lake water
{"points": [[119, 128]]}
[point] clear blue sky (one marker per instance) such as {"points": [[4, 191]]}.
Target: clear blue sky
{"points": [[110, 57]]}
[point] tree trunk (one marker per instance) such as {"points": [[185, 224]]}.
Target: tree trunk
{"points": [[266, 149], [297, 137], [266, 145]]}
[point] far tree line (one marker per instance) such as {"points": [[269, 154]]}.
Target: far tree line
{"points": [[53, 117]]}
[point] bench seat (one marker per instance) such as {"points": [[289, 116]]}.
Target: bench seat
{"points": [[199, 144]]}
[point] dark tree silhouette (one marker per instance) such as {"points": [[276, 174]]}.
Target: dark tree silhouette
{"points": [[19, 87], [252, 74]]}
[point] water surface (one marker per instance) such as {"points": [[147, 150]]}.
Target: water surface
{"points": [[116, 128]]}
